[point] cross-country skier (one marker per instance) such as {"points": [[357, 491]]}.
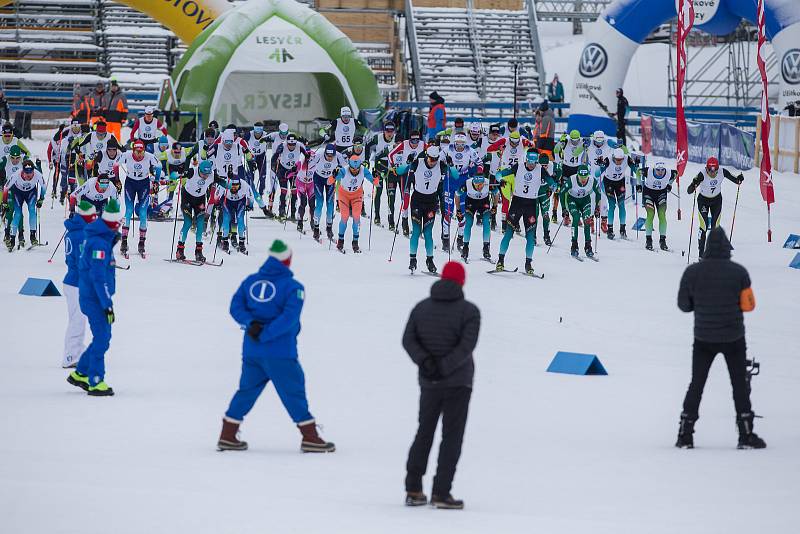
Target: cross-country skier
{"points": [[96, 286], [142, 169], [7, 140], [709, 198], [105, 161], [97, 191], [284, 161], [511, 149], [96, 141], [403, 154], [350, 195], [466, 161], [256, 141], [477, 205], [615, 174], [598, 155], [378, 149], [655, 185], [193, 206], [525, 182], [174, 164], [304, 181], [147, 129], [9, 166], [26, 186], [570, 154], [267, 307], [577, 192], [235, 197], [73, 246], [323, 165], [342, 131]]}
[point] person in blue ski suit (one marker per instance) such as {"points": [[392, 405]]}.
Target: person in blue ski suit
{"points": [[96, 287], [267, 306]]}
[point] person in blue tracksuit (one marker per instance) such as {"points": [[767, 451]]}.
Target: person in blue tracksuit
{"points": [[85, 213], [267, 306], [96, 286]]}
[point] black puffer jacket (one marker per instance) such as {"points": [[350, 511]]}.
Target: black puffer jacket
{"points": [[712, 289], [443, 328]]}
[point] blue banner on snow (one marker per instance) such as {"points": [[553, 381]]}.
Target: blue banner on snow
{"points": [[736, 147]]}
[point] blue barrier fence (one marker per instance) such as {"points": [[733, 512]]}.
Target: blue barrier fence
{"points": [[49, 101]]}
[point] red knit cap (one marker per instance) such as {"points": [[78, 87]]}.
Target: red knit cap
{"points": [[454, 271]]}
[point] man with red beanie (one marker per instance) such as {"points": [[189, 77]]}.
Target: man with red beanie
{"points": [[267, 306], [441, 334]]}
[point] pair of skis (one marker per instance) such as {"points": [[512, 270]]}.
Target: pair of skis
{"points": [[196, 263], [516, 270]]}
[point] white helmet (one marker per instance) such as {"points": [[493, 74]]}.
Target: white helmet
{"points": [[599, 137], [460, 139], [345, 112], [475, 128], [660, 169], [618, 154], [283, 128], [432, 151]]}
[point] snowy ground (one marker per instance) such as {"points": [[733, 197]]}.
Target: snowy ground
{"points": [[543, 452]]}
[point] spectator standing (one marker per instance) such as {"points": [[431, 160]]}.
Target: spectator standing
{"points": [[437, 116], [555, 92], [97, 101], [5, 114], [718, 290], [622, 110], [440, 335]]}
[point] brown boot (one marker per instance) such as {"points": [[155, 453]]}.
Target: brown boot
{"points": [[227, 438], [311, 440]]}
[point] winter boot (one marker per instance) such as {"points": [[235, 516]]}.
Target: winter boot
{"points": [[528, 266], [225, 245], [501, 263], [604, 226], [243, 246], [446, 502], [662, 242], [487, 255], [648, 242], [459, 242], [412, 264], [234, 237], [430, 265], [100, 390], [198, 253], [34, 241], [465, 252], [329, 231], [587, 249], [355, 246], [405, 226], [78, 380], [574, 248], [685, 431], [416, 498], [747, 438], [311, 441], [227, 438], [316, 232], [622, 233], [547, 240], [340, 244], [179, 252]]}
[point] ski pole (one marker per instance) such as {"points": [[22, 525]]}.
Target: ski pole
{"points": [[636, 203], [57, 247], [397, 225], [371, 210], [691, 229], [288, 183], [175, 224], [555, 235], [215, 245], [735, 204]]}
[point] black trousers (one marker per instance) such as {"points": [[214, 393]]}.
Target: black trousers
{"points": [[621, 134], [452, 404], [702, 357]]}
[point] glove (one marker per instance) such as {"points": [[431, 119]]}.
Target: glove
{"points": [[740, 179], [429, 369], [252, 165], [639, 188], [597, 211], [375, 182], [110, 315], [39, 203], [691, 188], [669, 188], [331, 181], [567, 220], [255, 329]]}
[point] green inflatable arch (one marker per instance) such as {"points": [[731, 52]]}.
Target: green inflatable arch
{"points": [[273, 52]]}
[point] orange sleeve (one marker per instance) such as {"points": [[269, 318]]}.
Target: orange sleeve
{"points": [[747, 300]]}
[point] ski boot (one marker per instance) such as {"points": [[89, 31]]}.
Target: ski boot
{"points": [[487, 255], [648, 242], [405, 227], [610, 232], [123, 245], [459, 242], [21, 240], [100, 390], [270, 214], [465, 252], [604, 225], [500, 266], [329, 231], [554, 217], [300, 225], [503, 226], [377, 219], [140, 248], [685, 431], [430, 265], [34, 241], [340, 245], [198, 253], [446, 502], [179, 252], [587, 249], [316, 232], [227, 438], [747, 438], [445, 243], [219, 238], [412, 264], [573, 251], [234, 237], [547, 240], [528, 266], [243, 246], [312, 442], [391, 223], [355, 246], [622, 233], [281, 213], [10, 243], [662, 242], [225, 246], [78, 380]]}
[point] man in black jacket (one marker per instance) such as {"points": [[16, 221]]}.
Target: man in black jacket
{"points": [[718, 290], [440, 336], [622, 109]]}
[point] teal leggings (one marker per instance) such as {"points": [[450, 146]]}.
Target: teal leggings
{"points": [[530, 240], [426, 232], [487, 230]]}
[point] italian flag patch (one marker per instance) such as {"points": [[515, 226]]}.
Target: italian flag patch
{"points": [[98, 255]]}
